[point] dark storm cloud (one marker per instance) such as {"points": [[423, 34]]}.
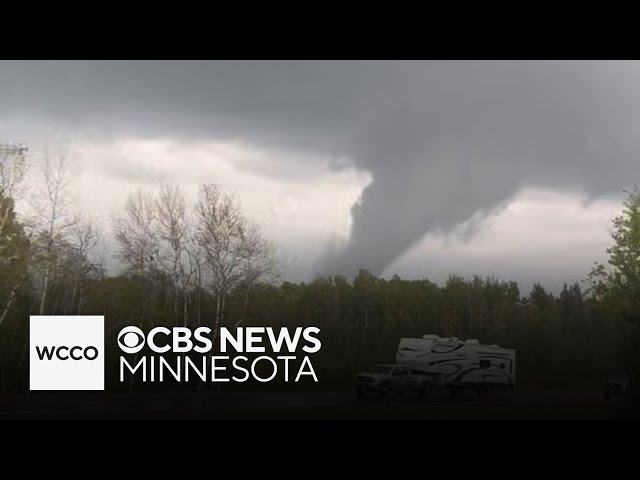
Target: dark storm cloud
{"points": [[442, 140], [306, 104]]}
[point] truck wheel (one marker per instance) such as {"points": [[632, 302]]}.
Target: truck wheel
{"points": [[457, 394], [384, 391], [425, 391], [484, 390]]}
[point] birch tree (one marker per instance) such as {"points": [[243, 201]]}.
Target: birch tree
{"points": [[171, 214], [85, 238], [53, 206], [232, 248], [260, 265], [135, 234]]}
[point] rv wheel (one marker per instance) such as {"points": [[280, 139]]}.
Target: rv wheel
{"points": [[425, 391], [457, 394], [483, 390]]}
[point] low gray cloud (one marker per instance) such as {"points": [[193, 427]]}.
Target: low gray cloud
{"points": [[442, 140]]}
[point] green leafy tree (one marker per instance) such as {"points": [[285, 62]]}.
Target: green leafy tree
{"points": [[618, 283]]}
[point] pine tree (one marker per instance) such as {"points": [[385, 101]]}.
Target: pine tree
{"points": [[14, 255]]}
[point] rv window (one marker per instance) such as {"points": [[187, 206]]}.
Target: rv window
{"points": [[502, 365], [485, 363], [396, 371]]}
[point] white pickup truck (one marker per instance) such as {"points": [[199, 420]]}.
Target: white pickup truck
{"points": [[387, 378]]}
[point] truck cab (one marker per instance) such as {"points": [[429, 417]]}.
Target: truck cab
{"points": [[385, 378]]}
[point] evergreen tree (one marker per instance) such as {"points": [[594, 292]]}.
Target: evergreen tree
{"points": [[14, 256]]}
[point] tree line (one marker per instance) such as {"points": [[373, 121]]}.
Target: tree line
{"points": [[192, 258]]}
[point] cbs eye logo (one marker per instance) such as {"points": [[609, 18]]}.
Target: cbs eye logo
{"points": [[131, 339]]}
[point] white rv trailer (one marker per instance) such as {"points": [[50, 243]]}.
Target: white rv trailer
{"points": [[457, 364]]}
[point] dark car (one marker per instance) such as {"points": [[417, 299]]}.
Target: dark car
{"points": [[619, 384]]}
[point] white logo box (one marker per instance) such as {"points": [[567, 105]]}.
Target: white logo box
{"points": [[64, 365]]}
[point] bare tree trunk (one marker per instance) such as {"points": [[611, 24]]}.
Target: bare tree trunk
{"points": [[135, 358], [175, 305], [80, 297], [24, 351], [216, 329], [470, 314], [199, 296], [185, 300], [199, 316], [55, 310], [366, 314], [12, 296], [219, 324], [45, 285], [244, 309], [218, 319], [5, 215], [72, 302]]}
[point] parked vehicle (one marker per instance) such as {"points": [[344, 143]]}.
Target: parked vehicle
{"points": [[459, 365], [388, 378], [619, 384]]}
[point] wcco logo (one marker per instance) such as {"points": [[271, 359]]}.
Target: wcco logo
{"points": [[66, 353]]}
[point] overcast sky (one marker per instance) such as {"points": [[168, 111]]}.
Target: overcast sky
{"points": [[511, 169]]}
